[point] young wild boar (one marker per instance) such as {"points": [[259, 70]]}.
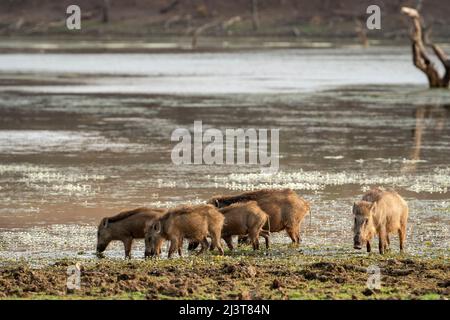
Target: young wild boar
{"points": [[379, 213], [191, 222], [285, 208], [125, 226], [245, 218]]}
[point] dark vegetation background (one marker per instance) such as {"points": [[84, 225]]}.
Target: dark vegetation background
{"points": [[289, 18]]}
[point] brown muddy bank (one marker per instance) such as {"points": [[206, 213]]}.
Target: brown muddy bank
{"points": [[287, 274], [232, 277]]}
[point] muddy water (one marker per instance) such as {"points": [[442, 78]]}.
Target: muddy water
{"points": [[83, 136]]}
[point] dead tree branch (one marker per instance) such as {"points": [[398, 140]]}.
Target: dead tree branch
{"points": [[255, 14], [421, 57], [223, 24], [200, 30], [106, 6]]}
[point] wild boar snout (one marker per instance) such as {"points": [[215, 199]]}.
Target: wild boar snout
{"points": [[101, 247], [104, 237], [357, 243], [150, 253]]}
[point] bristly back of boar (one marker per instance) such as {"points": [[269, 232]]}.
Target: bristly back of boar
{"points": [[183, 209], [223, 201], [126, 214]]}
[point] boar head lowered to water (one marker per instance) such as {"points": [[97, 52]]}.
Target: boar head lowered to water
{"points": [[104, 236], [153, 239], [363, 227]]}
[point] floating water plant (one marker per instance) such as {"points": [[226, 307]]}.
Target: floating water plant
{"points": [[436, 182]]}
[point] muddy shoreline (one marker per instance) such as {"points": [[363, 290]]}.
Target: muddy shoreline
{"points": [[182, 45], [178, 45], [285, 273]]}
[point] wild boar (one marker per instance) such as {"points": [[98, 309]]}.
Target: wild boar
{"points": [[125, 226], [285, 208], [244, 218], [379, 213], [191, 222]]}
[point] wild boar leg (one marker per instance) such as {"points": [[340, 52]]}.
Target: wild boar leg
{"points": [[173, 246], [256, 244], [382, 240], [254, 239], [221, 249], [158, 247], [180, 247], [299, 238], [368, 246], [296, 232], [266, 236], [388, 243], [402, 236], [204, 245], [127, 242], [229, 242], [293, 234], [216, 241]]}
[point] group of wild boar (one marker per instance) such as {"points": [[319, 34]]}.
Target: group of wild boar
{"points": [[248, 215]]}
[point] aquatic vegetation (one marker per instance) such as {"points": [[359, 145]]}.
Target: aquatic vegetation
{"points": [[22, 168], [436, 182], [38, 141], [49, 177], [51, 180]]}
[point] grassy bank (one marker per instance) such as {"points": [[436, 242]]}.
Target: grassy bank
{"points": [[286, 273]]}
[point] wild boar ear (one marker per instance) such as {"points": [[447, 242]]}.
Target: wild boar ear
{"points": [[147, 226], [105, 223]]}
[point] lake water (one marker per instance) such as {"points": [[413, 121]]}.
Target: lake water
{"points": [[87, 135]]}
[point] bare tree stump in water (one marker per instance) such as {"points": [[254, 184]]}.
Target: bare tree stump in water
{"points": [[200, 30], [421, 57], [224, 25], [255, 14], [105, 11], [362, 33]]}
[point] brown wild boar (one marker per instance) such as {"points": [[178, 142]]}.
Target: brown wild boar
{"points": [[245, 218], [125, 226], [191, 222], [285, 208], [379, 213]]}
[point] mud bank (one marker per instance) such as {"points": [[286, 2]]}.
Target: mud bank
{"points": [[285, 273]]}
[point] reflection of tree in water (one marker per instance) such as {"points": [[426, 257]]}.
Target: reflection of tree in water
{"points": [[428, 118]]}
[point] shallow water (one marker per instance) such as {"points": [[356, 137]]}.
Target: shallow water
{"points": [[71, 152], [270, 71]]}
